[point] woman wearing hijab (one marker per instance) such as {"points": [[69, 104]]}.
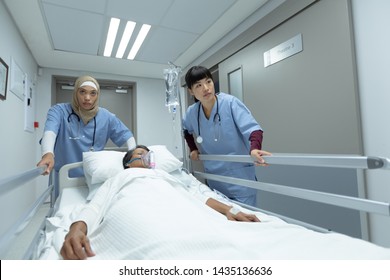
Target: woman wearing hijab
{"points": [[80, 126]]}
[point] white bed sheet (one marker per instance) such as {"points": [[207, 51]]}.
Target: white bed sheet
{"points": [[171, 224], [70, 199]]}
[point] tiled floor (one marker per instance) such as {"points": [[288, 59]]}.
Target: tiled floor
{"points": [[22, 242]]}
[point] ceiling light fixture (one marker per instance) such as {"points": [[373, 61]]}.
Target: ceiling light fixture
{"points": [[112, 30], [138, 42], [125, 39]]}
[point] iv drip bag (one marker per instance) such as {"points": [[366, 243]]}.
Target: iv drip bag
{"points": [[172, 86]]}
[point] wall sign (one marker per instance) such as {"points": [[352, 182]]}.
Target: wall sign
{"points": [[283, 51]]}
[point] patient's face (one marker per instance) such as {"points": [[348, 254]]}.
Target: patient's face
{"points": [[135, 160]]}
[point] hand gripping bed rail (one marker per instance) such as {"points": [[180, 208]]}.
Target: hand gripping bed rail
{"points": [[356, 162]]}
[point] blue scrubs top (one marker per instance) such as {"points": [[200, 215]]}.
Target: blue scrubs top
{"points": [[227, 136], [74, 138]]}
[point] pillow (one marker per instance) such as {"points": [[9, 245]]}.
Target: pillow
{"points": [[102, 165], [165, 160], [99, 166]]}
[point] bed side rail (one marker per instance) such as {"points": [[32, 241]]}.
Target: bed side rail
{"points": [[12, 182], [118, 149], [66, 181], [348, 161], [356, 162], [361, 204]]}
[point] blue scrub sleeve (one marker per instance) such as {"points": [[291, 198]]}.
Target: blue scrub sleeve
{"points": [[244, 119]]}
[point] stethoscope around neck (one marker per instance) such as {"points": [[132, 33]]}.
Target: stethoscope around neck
{"points": [[78, 137], [217, 117]]}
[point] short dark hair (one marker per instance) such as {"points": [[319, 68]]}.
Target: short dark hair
{"points": [[196, 73], [129, 155]]}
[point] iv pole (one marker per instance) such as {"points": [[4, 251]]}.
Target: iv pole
{"points": [[176, 87]]}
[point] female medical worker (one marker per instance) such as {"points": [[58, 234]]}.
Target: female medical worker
{"points": [[80, 126], [223, 125]]}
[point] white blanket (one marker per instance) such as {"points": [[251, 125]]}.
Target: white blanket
{"points": [[149, 214]]}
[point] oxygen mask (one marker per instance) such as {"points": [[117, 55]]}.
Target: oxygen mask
{"points": [[147, 160]]}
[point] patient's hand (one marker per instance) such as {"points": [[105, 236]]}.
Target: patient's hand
{"points": [[231, 213], [76, 245], [242, 217]]}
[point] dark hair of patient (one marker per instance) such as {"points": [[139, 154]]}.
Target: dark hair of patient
{"points": [[129, 155]]}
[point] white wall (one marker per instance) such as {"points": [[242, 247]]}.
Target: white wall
{"points": [[17, 153], [155, 124], [371, 22]]}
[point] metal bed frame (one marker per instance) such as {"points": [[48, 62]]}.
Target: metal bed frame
{"points": [[355, 162]]}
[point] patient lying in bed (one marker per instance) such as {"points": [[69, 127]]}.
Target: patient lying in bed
{"points": [[160, 213], [121, 207]]}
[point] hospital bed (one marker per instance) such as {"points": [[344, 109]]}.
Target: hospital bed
{"points": [[276, 237]]}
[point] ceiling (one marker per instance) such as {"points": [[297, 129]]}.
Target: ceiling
{"points": [[70, 34]]}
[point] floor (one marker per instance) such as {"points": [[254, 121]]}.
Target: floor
{"points": [[23, 241]]}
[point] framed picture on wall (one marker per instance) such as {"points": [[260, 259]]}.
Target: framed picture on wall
{"points": [[17, 80], [3, 79]]}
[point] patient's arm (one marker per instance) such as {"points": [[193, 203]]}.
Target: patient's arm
{"points": [[205, 194], [224, 209], [76, 245]]}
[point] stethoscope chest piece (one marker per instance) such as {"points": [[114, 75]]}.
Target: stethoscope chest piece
{"points": [[199, 139]]}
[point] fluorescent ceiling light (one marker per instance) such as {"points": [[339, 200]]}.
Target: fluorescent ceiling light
{"points": [[138, 42], [125, 39], [112, 30]]}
